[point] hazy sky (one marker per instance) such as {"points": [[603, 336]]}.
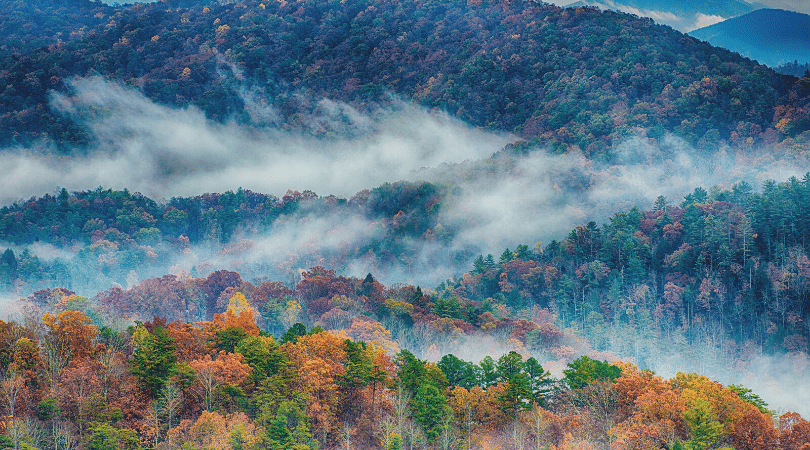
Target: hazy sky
{"points": [[802, 6]]}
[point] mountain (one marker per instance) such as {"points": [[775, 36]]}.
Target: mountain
{"points": [[563, 78], [770, 36], [684, 15]]}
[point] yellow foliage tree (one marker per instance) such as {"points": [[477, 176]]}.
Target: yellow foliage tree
{"points": [[365, 329], [239, 314]]}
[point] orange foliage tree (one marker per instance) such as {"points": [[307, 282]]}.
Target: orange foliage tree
{"points": [[224, 369], [214, 432], [73, 330]]}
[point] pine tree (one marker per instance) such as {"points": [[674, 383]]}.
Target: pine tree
{"points": [[154, 360]]}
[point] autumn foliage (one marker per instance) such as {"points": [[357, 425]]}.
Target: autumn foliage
{"points": [[172, 386]]}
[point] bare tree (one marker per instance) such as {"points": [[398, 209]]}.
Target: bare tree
{"points": [[597, 400], [207, 382], [448, 440], [401, 409], [29, 431], [346, 436], [172, 399], [77, 384], [518, 438], [152, 421], [63, 436], [56, 356], [388, 429], [11, 388]]}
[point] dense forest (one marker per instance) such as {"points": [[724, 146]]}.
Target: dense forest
{"points": [[561, 77], [719, 264], [71, 381]]}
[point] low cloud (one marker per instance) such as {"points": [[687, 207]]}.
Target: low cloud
{"points": [[704, 20], [782, 381], [164, 152], [493, 202], [542, 196]]}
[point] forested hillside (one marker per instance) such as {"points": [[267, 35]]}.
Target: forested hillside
{"points": [[732, 262], [562, 77], [121, 237], [70, 381]]}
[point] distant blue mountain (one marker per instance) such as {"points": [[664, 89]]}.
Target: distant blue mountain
{"points": [[771, 36], [683, 15]]}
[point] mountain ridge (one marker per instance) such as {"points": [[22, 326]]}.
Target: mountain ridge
{"points": [[682, 15], [772, 36]]}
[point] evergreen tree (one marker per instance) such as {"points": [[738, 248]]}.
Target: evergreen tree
{"points": [[153, 361], [429, 408], [292, 334], [539, 380], [584, 370], [459, 372]]}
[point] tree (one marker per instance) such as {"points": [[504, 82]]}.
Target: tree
{"points": [[293, 333], [77, 383], [754, 431], [459, 372], [227, 339], [794, 431], [517, 396], [106, 437], [430, 409], [71, 330], [538, 379], [704, 428], [11, 388], [154, 360], [171, 399], [239, 315], [584, 370], [263, 356], [289, 429], [596, 402], [754, 399], [410, 371], [214, 431], [357, 366], [211, 373], [489, 373]]}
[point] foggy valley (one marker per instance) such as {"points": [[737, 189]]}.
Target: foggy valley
{"points": [[323, 225]]}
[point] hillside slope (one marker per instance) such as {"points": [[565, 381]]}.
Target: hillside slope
{"points": [[561, 77]]}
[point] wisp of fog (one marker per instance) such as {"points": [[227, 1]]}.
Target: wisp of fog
{"points": [[164, 152]]}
